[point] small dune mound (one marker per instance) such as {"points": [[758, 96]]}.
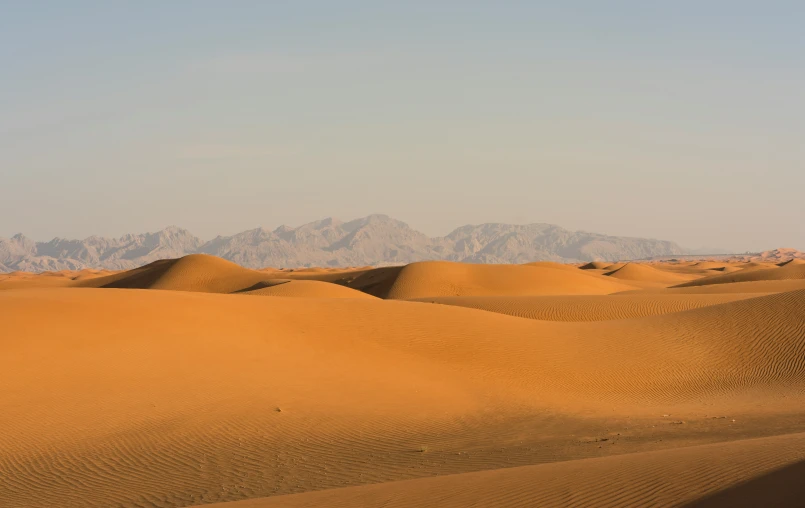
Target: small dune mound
{"points": [[792, 262], [645, 273], [726, 269], [551, 264], [791, 271], [19, 273], [596, 265], [614, 266], [757, 265], [196, 272], [87, 274], [303, 289], [708, 265], [210, 274], [60, 274], [441, 278]]}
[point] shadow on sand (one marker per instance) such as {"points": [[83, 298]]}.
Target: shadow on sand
{"points": [[781, 488]]}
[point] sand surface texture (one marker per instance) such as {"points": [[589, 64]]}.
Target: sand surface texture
{"points": [[196, 382]]}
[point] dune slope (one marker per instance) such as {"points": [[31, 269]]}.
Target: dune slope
{"points": [[302, 288], [588, 308], [645, 273], [746, 473]]}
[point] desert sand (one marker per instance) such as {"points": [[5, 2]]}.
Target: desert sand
{"points": [[197, 382]]}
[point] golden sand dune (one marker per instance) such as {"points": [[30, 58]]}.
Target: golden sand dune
{"points": [[758, 264], [793, 271], [551, 264], [197, 272], [440, 278], [702, 268], [727, 269], [645, 273], [588, 308], [302, 288], [19, 280], [739, 474], [596, 265], [171, 398], [709, 265]]}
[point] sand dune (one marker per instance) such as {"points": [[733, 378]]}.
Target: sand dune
{"points": [[197, 272], [709, 265], [645, 273], [727, 269], [758, 264], [172, 398], [588, 308], [209, 274], [439, 278], [793, 271], [551, 264], [596, 265], [19, 280], [759, 472]]}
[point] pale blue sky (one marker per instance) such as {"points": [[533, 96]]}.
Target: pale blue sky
{"points": [[677, 120]]}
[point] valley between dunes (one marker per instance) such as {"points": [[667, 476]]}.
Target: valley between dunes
{"points": [[197, 382]]}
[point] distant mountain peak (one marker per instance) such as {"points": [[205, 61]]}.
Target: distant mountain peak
{"points": [[376, 239]]}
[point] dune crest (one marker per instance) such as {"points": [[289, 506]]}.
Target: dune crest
{"points": [[645, 273], [439, 278]]}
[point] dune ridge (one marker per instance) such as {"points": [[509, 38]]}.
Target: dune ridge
{"points": [[645, 273], [440, 278]]}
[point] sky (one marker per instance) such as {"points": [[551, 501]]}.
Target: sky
{"points": [[680, 120]]}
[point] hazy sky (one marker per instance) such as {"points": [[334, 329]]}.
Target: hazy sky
{"points": [[677, 120]]}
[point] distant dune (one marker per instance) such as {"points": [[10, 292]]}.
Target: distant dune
{"points": [[791, 271], [438, 278], [645, 273]]}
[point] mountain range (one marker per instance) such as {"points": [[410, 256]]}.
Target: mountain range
{"points": [[373, 240]]}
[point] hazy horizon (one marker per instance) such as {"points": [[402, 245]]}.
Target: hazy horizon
{"points": [[678, 122]]}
